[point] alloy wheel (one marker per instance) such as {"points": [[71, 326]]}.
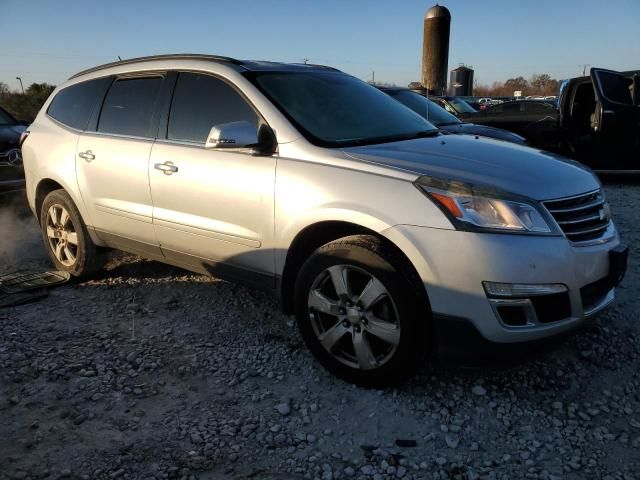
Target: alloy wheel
{"points": [[354, 317], [62, 236]]}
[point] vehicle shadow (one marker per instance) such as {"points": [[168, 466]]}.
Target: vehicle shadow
{"points": [[486, 359]]}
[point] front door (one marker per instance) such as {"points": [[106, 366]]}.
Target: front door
{"points": [[112, 162], [615, 121], [212, 208]]}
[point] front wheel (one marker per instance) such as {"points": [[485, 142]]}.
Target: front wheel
{"points": [[65, 236], [360, 312]]}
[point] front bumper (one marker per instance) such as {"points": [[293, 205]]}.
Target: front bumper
{"points": [[453, 264]]}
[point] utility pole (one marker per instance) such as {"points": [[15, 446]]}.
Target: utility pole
{"points": [[305, 60], [584, 68], [21, 86], [373, 77]]}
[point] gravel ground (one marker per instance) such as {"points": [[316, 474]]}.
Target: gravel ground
{"points": [[152, 372]]}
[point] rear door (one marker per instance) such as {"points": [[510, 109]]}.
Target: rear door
{"points": [[615, 121], [112, 160], [212, 208]]}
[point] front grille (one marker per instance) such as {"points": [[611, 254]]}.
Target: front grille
{"points": [[582, 217], [10, 158]]}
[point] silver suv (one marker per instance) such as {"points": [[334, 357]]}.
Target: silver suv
{"points": [[386, 239]]}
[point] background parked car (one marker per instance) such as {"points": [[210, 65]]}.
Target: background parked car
{"points": [[11, 170], [456, 105], [485, 103], [537, 121], [445, 121]]}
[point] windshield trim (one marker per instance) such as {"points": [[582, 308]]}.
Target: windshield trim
{"points": [[337, 144]]}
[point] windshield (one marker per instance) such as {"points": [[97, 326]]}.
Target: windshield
{"points": [[333, 109], [5, 118], [424, 107], [461, 106]]}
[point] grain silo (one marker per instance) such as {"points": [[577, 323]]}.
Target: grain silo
{"points": [[435, 50], [461, 81]]}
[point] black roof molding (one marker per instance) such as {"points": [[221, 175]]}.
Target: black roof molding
{"points": [[177, 56]]}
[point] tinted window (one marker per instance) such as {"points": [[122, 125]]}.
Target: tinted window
{"points": [[129, 106], [424, 107], [461, 106], [74, 105], [335, 109], [202, 101], [511, 107]]}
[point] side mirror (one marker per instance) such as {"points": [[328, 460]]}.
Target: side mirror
{"points": [[241, 134]]}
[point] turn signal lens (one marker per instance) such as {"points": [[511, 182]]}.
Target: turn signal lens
{"points": [[448, 203]]}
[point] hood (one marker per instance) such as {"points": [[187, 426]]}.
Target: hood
{"points": [[10, 136], [484, 131], [517, 169]]}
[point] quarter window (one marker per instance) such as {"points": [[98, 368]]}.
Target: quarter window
{"points": [[74, 105], [129, 107], [201, 102]]}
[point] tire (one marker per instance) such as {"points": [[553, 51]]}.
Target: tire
{"points": [[373, 340], [65, 236]]}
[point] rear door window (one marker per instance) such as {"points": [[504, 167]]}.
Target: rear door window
{"points": [[74, 105], [129, 107], [200, 102]]}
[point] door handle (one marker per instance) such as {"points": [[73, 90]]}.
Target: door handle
{"points": [[88, 155], [167, 167]]}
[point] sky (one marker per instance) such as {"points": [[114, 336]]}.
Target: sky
{"points": [[49, 40]]}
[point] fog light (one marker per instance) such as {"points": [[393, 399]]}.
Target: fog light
{"points": [[518, 290]]}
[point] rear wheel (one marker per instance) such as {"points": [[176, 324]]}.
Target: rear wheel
{"points": [[361, 313], [65, 236]]}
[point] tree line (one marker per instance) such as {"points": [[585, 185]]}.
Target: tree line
{"points": [[25, 106], [539, 84]]}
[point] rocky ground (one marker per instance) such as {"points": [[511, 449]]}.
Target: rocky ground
{"points": [[152, 372]]}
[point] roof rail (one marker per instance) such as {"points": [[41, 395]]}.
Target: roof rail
{"points": [[176, 56]]}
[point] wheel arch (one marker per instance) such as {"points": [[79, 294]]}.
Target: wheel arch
{"points": [[49, 183], [44, 188], [320, 233]]}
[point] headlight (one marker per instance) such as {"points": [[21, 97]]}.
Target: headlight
{"points": [[474, 207]]}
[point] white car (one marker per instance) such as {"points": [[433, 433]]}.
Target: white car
{"points": [[387, 239]]}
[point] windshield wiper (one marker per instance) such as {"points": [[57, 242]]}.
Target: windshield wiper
{"points": [[388, 138], [426, 133]]}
